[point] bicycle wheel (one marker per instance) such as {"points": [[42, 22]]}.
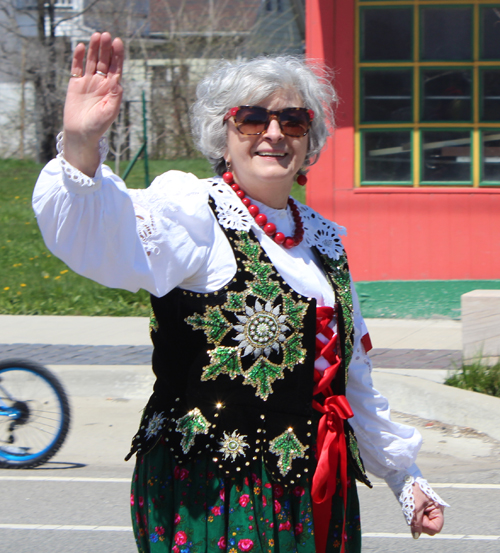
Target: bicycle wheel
{"points": [[34, 414]]}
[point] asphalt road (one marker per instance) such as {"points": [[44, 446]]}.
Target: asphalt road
{"points": [[79, 501]]}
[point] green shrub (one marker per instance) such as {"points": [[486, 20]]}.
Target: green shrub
{"points": [[477, 377]]}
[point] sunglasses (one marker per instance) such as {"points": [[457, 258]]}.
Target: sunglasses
{"points": [[255, 120]]}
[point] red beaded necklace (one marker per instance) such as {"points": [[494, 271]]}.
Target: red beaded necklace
{"points": [[287, 242]]}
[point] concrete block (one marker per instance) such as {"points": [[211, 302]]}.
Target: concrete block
{"points": [[481, 325]]}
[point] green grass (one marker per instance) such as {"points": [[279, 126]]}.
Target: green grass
{"points": [[477, 377], [417, 299], [34, 282]]}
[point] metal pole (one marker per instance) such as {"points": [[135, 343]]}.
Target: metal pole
{"points": [[145, 144]]}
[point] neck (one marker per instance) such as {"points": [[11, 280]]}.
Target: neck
{"points": [[273, 194]]}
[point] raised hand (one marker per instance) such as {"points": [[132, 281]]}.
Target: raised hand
{"points": [[93, 99]]}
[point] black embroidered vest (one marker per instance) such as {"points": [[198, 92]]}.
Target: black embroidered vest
{"points": [[235, 369]]}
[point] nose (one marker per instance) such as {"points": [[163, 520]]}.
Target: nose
{"points": [[273, 131]]}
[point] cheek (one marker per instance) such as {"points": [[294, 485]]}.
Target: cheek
{"points": [[301, 151]]}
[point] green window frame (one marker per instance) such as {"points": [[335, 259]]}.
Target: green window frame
{"points": [[431, 92]]}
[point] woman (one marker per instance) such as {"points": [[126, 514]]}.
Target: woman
{"points": [[245, 443]]}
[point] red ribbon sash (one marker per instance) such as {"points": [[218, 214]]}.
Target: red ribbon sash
{"points": [[331, 444]]}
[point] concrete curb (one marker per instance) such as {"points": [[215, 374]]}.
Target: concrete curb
{"points": [[429, 400]]}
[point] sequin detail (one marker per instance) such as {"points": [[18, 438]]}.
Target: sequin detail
{"points": [[288, 447], [267, 333], [155, 425], [233, 445], [191, 425]]}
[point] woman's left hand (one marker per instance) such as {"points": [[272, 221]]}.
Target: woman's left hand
{"points": [[428, 517]]}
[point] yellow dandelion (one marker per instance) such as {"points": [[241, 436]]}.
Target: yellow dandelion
{"points": [[7, 288], [19, 293], [23, 285], [48, 255], [31, 258], [57, 277], [46, 276], [27, 223], [64, 272], [16, 197]]}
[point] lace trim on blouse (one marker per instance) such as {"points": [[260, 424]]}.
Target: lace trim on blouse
{"points": [[408, 501], [318, 231], [73, 174], [231, 213]]}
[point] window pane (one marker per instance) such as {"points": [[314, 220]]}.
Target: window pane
{"points": [[491, 155], [386, 156], [387, 95], [490, 108], [446, 156], [447, 95], [490, 35], [446, 34], [386, 34]]}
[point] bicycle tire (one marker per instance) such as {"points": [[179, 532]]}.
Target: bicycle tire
{"points": [[45, 421]]}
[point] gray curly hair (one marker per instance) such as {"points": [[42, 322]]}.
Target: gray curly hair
{"points": [[246, 83]]}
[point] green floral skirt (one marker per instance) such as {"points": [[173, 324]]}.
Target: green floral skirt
{"points": [[191, 509]]}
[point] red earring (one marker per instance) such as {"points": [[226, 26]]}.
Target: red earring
{"points": [[302, 180], [227, 177]]}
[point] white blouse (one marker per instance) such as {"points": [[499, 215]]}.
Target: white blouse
{"points": [[167, 236]]}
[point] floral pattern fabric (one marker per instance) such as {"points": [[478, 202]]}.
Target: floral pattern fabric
{"points": [[191, 509]]}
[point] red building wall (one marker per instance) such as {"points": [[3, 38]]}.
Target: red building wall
{"points": [[394, 233]]}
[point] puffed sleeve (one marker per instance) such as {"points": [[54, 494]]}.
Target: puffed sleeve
{"points": [[388, 449], [154, 239]]}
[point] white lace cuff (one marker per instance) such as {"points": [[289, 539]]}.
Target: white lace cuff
{"points": [[74, 179], [408, 501]]}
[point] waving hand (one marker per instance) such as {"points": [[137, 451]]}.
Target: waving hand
{"points": [[93, 99]]}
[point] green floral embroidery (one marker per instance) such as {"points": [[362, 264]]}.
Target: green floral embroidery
{"points": [[224, 360], [294, 310], [261, 376], [260, 328], [153, 323], [213, 323], [235, 301], [339, 275], [262, 286], [288, 447], [354, 449], [191, 425], [292, 352]]}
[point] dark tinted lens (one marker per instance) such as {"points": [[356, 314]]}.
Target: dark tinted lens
{"points": [[294, 122], [251, 120]]}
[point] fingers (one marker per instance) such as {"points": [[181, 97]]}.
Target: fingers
{"points": [[117, 56], [92, 54], [429, 521], [433, 520], [77, 62], [105, 52]]}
